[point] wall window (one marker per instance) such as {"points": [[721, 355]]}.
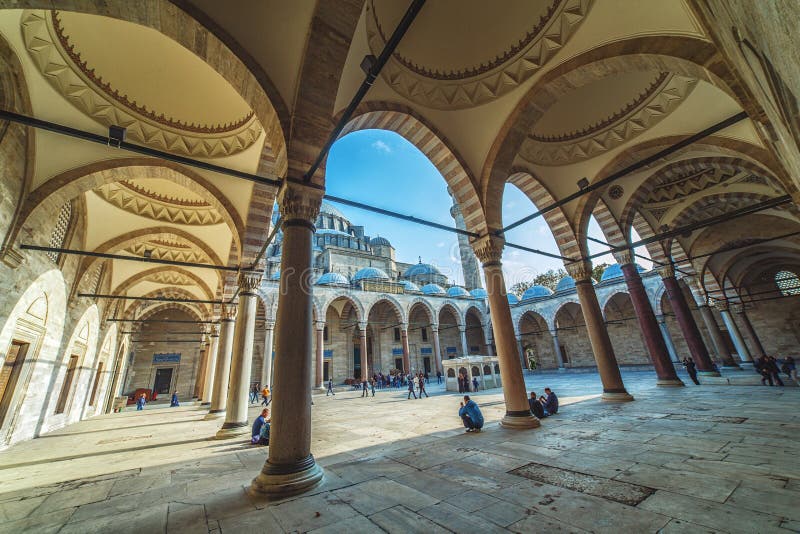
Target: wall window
{"points": [[397, 334], [325, 334], [787, 282], [424, 332], [59, 234]]}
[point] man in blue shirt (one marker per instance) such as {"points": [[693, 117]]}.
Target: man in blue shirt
{"points": [[471, 415], [258, 424], [550, 402]]}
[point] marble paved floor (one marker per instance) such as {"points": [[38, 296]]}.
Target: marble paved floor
{"points": [[696, 459]]}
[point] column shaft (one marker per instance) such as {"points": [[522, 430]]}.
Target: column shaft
{"points": [[738, 340], [464, 347], [208, 383], [437, 349], [362, 344], [716, 336], [688, 325], [523, 358], [751, 333], [653, 339], [406, 350], [219, 397], [662, 323], [559, 356], [320, 356], [197, 391], [266, 377]]}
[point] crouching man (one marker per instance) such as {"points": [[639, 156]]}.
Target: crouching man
{"points": [[471, 415]]}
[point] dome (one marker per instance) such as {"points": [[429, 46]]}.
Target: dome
{"points": [[421, 269], [568, 283], [370, 273], [327, 209], [512, 298], [276, 275], [536, 291], [331, 231], [457, 291], [379, 241], [479, 293], [433, 289], [410, 286], [329, 279], [614, 271]]}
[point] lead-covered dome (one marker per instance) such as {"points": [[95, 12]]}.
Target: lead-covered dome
{"points": [[332, 279], [536, 291], [433, 289], [370, 273], [421, 269], [327, 209], [615, 271], [479, 293], [379, 241], [512, 298], [567, 283], [410, 287], [457, 291]]}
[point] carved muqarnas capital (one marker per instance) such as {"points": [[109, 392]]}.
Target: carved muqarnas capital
{"points": [[249, 281], [489, 248], [737, 307], [666, 271], [215, 330], [581, 271], [624, 257], [721, 305], [228, 311], [297, 201]]}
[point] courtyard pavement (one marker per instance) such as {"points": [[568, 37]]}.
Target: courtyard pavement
{"points": [[697, 459]]}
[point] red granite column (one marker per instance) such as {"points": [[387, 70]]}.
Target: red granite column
{"points": [[404, 341], [613, 387], [659, 354], [748, 327], [686, 322], [437, 349]]}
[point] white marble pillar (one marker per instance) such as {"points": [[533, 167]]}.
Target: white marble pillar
{"points": [[758, 348], [211, 366], [320, 356], [662, 324], [266, 375], [437, 349], [557, 346], [219, 395], [733, 330], [236, 420], [487, 335], [464, 348], [362, 347], [523, 358]]}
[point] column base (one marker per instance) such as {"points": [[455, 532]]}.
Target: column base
{"points": [[205, 403], [733, 367], [616, 396], [232, 430], [520, 420], [278, 481], [745, 365], [214, 414], [708, 373], [670, 382]]}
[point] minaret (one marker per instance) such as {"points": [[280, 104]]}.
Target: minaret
{"points": [[469, 263]]}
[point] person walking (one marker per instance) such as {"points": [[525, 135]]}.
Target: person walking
{"points": [[140, 402], [330, 388], [422, 391], [266, 397], [691, 368], [761, 366], [471, 415], [364, 388], [372, 387], [438, 377], [254, 393], [772, 369], [475, 383], [411, 390], [790, 368]]}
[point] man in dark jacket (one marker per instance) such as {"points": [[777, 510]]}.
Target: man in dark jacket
{"points": [[550, 402], [536, 407], [471, 415]]}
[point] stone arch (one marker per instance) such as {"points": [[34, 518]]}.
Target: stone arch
{"points": [[99, 377], [361, 313], [607, 298], [608, 224], [426, 306], [452, 308], [687, 56], [420, 132], [393, 303], [50, 196], [536, 340], [204, 310], [556, 219], [159, 307], [37, 319], [136, 278]]}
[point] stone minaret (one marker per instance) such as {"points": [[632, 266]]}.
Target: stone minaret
{"points": [[469, 263]]}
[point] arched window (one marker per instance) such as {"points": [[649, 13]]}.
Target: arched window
{"points": [[59, 234], [787, 282]]}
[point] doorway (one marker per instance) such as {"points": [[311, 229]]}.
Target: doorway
{"points": [[61, 405], [426, 363], [326, 371], [9, 375], [398, 364], [163, 380]]}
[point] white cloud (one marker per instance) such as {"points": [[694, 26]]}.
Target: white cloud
{"points": [[383, 147]]}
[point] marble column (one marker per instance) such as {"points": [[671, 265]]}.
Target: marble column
{"points": [[290, 467], [654, 341], [236, 420], [613, 387], [686, 322], [488, 337], [662, 323], [559, 355], [266, 376], [489, 250], [464, 347], [320, 355], [208, 383], [733, 330], [758, 348], [437, 349], [219, 395], [723, 352], [404, 343], [523, 358], [197, 391], [362, 345]]}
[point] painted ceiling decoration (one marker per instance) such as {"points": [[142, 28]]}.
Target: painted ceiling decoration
{"points": [[161, 251], [661, 96], [433, 82], [171, 278], [145, 203], [61, 64]]}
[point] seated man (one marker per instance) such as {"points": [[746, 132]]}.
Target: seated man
{"points": [[471, 415], [536, 407], [258, 425], [550, 402]]}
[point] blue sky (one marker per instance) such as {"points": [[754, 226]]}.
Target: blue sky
{"points": [[383, 169]]}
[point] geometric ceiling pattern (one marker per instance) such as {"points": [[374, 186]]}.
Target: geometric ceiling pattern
{"points": [[167, 251], [171, 278], [140, 201], [62, 66]]}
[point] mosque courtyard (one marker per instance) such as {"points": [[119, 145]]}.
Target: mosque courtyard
{"points": [[694, 459]]}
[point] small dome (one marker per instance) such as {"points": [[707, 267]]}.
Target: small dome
{"points": [[410, 286], [565, 283], [327, 209], [536, 291], [512, 298], [379, 241], [615, 271], [276, 275], [457, 291], [331, 279], [370, 273], [421, 269], [479, 293], [433, 289]]}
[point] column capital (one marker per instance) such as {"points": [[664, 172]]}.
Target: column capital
{"points": [[269, 324], [581, 271], [215, 330], [228, 312], [721, 305], [462, 328], [320, 325], [362, 327], [249, 281], [299, 202], [489, 249], [623, 257], [666, 271], [403, 328], [434, 327], [737, 307]]}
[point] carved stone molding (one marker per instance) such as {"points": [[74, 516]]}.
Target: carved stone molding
{"points": [[581, 271], [228, 312], [666, 271], [297, 201], [489, 248], [249, 281], [215, 330], [624, 257], [737, 308]]}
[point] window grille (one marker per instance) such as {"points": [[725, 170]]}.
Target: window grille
{"points": [[60, 231], [787, 282]]}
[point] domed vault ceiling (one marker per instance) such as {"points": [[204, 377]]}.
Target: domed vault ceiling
{"points": [[106, 68], [463, 53]]}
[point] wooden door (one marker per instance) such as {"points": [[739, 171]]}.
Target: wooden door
{"points": [[9, 375], [66, 387]]}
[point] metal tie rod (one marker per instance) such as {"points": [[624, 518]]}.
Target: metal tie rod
{"points": [[186, 321], [155, 299]]}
